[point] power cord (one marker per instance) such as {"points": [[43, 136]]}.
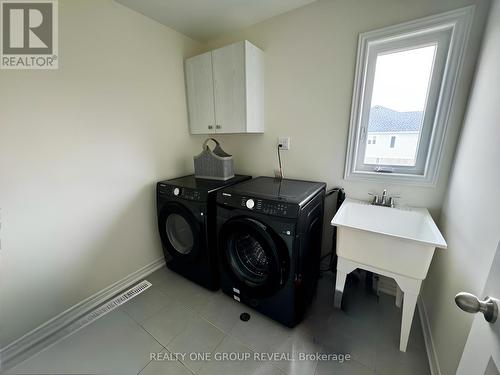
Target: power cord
{"points": [[281, 176]]}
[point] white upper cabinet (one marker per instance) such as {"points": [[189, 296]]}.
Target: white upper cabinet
{"points": [[200, 94], [229, 88], [225, 90]]}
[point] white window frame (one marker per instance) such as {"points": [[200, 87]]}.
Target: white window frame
{"points": [[450, 32]]}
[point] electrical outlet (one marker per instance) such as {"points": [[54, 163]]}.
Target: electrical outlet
{"points": [[284, 143]]}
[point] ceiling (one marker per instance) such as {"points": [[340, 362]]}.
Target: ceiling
{"points": [[206, 19]]}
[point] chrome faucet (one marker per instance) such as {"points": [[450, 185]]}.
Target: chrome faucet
{"points": [[383, 200]]}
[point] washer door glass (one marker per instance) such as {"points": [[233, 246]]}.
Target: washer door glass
{"points": [[249, 259], [253, 256], [179, 233]]}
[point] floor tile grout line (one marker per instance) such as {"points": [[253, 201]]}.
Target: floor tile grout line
{"points": [[246, 347], [177, 335], [163, 308], [187, 368], [213, 324], [198, 313], [173, 338], [213, 351], [163, 345], [142, 369], [216, 326], [154, 338], [186, 306], [166, 294], [145, 330], [149, 334], [176, 361]]}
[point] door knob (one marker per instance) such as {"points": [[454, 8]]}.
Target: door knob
{"points": [[471, 304]]}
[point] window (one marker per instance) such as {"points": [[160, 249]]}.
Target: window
{"points": [[403, 88]]}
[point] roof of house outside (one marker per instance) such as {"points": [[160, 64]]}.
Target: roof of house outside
{"points": [[386, 120]]}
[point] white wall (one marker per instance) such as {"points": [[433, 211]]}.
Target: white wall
{"points": [[470, 218], [80, 150], [310, 56]]}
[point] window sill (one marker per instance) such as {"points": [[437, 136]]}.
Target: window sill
{"points": [[395, 178]]}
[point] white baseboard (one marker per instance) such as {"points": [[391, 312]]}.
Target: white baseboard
{"points": [[429, 342], [34, 341]]}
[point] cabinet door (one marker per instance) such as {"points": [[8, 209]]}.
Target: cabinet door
{"points": [[200, 94], [229, 81]]}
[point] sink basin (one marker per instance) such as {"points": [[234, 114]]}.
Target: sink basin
{"points": [[393, 239], [414, 224]]}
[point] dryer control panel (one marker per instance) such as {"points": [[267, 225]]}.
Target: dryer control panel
{"points": [[264, 206], [180, 192]]}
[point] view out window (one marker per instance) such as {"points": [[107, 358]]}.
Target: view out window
{"points": [[404, 83], [399, 96]]}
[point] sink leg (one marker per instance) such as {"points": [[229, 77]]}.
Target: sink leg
{"points": [[408, 286], [408, 310], [339, 288]]}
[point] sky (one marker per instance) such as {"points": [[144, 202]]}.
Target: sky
{"points": [[402, 79]]}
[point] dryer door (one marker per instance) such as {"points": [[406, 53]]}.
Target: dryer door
{"points": [[254, 256], [179, 231]]}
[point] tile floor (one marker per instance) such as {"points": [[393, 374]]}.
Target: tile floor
{"points": [[176, 316]]}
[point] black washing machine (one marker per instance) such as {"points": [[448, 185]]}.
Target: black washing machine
{"points": [[269, 244], [186, 208]]}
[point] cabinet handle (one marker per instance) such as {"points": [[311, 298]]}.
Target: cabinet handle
{"points": [[210, 127], [218, 127]]}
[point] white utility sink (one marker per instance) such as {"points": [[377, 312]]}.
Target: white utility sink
{"points": [[398, 243], [398, 240]]}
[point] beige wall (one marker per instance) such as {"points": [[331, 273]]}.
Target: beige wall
{"points": [[80, 150], [310, 56], [470, 218]]}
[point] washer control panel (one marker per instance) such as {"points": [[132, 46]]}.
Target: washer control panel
{"points": [[250, 203], [179, 192], [264, 206]]}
